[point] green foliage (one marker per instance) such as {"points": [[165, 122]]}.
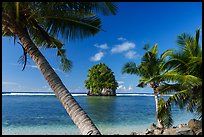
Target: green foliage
{"points": [[181, 74], [150, 69], [99, 77], [129, 68], [165, 113], [186, 65]]}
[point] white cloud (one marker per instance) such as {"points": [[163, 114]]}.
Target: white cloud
{"points": [[130, 88], [130, 54], [120, 82], [29, 66], [121, 87], [9, 83], [98, 56], [32, 66], [124, 88], [125, 46], [35, 67], [102, 46], [121, 38]]}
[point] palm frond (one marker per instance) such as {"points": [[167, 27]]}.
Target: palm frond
{"points": [[73, 28], [146, 47], [65, 64], [184, 98], [68, 20], [23, 59], [185, 80], [178, 61], [154, 49], [194, 66], [6, 32], [196, 43], [17, 11], [165, 54], [164, 113], [197, 37], [199, 107], [129, 68], [192, 105], [164, 67], [142, 84], [106, 8], [74, 20], [180, 99], [42, 38], [182, 39], [166, 88]]}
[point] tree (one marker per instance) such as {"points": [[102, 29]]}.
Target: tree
{"points": [[101, 81], [185, 76], [151, 66], [40, 24]]}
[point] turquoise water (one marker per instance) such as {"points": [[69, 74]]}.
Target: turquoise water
{"points": [[44, 114]]}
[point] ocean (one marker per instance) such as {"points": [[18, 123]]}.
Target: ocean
{"points": [[40, 113]]}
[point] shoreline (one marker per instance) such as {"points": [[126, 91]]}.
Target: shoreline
{"points": [[73, 130]]}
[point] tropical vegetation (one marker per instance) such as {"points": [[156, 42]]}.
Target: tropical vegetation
{"points": [[180, 74], [37, 25], [152, 65], [101, 80], [185, 77]]}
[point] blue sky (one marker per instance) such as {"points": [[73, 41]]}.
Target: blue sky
{"points": [[136, 24]]}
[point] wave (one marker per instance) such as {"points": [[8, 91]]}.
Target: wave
{"points": [[36, 94], [27, 94], [137, 94], [73, 94], [133, 94]]}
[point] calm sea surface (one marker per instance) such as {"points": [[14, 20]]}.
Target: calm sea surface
{"points": [[44, 114]]}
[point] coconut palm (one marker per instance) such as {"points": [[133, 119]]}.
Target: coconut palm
{"points": [[150, 67], [185, 76], [41, 24]]}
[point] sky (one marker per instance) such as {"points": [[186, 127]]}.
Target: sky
{"points": [[126, 33]]}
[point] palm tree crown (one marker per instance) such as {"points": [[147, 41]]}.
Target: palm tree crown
{"points": [[47, 22], [152, 65], [42, 24], [185, 75]]}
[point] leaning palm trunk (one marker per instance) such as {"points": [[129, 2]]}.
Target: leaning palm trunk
{"points": [[77, 114], [158, 121]]}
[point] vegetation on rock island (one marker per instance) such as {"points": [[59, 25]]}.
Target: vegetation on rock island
{"points": [[101, 81]]}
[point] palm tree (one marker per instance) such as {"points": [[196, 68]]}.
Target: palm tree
{"points": [[40, 24], [185, 76], [150, 67]]}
